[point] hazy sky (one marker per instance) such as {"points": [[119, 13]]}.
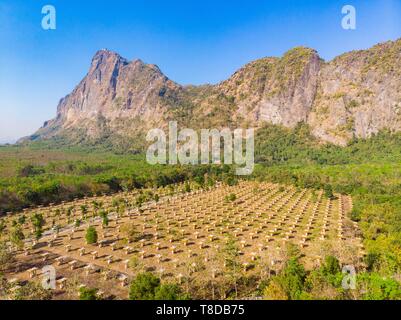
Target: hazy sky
{"points": [[191, 41]]}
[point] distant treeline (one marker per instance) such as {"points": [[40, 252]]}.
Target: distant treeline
{"points": [[34, 185]]}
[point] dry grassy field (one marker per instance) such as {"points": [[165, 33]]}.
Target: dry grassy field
{"points": [[185, 237]]}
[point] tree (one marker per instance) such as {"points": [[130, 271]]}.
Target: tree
{"points": [[372, 259], [105, 218], [230, 180], [293, 279], [69, 212], [275, 291], [32, 291], [170, 292], [331, 266], [6, 256], [187, 187], [4, 287], [88, 293], [328, 191], [200, 180], [84, 210], [324, 286], [375, 287], [289, 284], [95, 205], [231, 197], [140, 200], [29, 171], [116, 203], [17, 237], [21, 220], [135, 264], [131, 233], [231, 256], [91, 235], [38, 222], [144, 287], [3, 226], [77, 223]]}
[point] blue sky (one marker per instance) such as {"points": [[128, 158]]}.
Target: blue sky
{"points": [[193, 42]]}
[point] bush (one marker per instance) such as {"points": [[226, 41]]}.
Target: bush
{"points": [[88, 293], [91, 235], [328, 191], [105, 218], [275, 291], [331, 266], [371, 260], [231, 197], [29, 171], [6, 257], [170, 292], [21, 220], [38, 222], [230, 180], [187, 187], [376, 287], [144, 287], [293, 279], [17, 237], [289, 284], [32, 291], [130, 232]]}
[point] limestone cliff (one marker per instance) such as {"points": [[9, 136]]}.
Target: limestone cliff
{"points": [[355, 94]]}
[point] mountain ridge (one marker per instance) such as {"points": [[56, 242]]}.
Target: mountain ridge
{"points": [[355, 94]]}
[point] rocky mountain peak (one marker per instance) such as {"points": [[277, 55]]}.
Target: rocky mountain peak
{"points": [[356, 94], [276, 90], [104, 59]]}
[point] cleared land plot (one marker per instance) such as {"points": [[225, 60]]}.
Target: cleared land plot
{"points": [[185, 236]]}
